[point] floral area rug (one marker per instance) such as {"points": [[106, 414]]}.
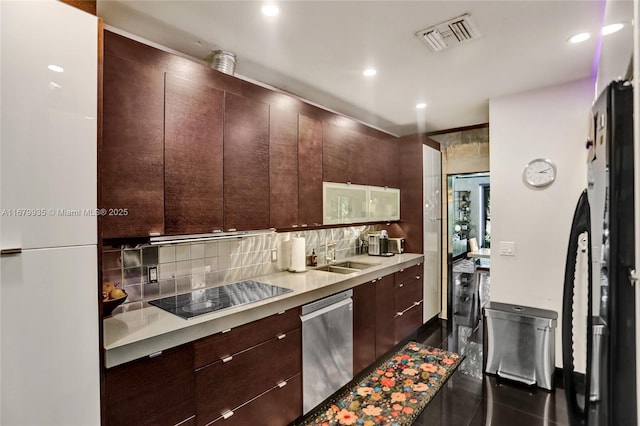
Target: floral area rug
{"points": [[394, 393]]}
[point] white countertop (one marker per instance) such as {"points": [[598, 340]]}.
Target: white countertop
{"points": [[135, 334]]}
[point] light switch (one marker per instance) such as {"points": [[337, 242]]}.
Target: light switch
{"points": [[507, 248]]}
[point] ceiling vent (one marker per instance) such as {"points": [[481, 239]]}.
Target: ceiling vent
{"points": [[450, 33]]}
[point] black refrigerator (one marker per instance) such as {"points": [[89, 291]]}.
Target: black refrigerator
{"points": [[599, 297]]}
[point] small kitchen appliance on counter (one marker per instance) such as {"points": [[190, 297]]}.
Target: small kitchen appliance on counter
{"points": [[379, 244]]}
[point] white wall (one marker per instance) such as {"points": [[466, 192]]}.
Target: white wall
{"points": [[551, 123]]}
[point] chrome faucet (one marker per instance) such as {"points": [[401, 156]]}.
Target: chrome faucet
{"points": [[329, 245]]}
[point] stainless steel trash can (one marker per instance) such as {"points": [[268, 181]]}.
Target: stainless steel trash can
{"points": [[521, 343]]}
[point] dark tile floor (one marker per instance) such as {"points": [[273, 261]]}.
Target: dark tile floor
{"points": [[470, 398]]}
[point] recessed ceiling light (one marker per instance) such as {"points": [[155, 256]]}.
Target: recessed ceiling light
{"points": [[55, 68], [579, 38], [421, 106], [613, 28], [369, 72], [270, 10]]}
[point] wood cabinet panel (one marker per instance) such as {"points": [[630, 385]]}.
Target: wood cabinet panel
{"points": [[283, 168], [364, 326], [193, 157], [383, 162], [214, 348], [223, 386], [246, 163], [131, 169], [344, 157], [280, 406], [385, 312], [309, 171], [409, 321], [152, 391]]}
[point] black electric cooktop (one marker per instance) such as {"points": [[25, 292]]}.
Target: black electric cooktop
{"points": [[212, 299]]}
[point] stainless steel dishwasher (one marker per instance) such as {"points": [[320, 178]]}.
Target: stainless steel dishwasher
{"points": [[327, 347]]}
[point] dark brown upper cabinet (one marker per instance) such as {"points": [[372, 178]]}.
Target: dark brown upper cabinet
{"points": [[383, 162], [193, 157], [246, 163], [283, 168], [131, 158], [309, 171], [344, 156]]}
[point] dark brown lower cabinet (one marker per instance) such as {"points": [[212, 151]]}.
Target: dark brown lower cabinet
{"points": [[385, 312], [364, 326], [410, 319], [154, 391], [277, 407], [229, 383]]}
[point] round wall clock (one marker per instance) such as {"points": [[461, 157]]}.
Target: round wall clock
{"points": [[539, 173]]}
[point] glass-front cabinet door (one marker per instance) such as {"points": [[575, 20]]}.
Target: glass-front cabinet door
{"points": [[384, 204], [344, 203]]}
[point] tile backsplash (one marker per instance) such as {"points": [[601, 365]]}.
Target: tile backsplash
{"points": [[185, 267]]}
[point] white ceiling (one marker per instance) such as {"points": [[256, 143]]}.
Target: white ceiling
{"points": [[318, 50]]}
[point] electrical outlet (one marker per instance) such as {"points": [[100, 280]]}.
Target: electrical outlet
{"points": [[153, 274], [274, 255], [507, 248]]}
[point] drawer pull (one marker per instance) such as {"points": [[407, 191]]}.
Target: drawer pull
{"points": [[227, 359], [11, 251], [418, 277], [399, 314], [374, 280], [155, 354], [401, 270], [227, 414], [226, 331], [416, 303], [401, 285], [281, 312], [282, 336], [282, 384]]}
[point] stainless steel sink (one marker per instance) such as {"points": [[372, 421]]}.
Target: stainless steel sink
{"points": [[336, 269], [354, 265]]}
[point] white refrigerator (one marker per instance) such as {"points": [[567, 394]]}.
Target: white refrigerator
{"points": [[49, 349], [432, 229]]}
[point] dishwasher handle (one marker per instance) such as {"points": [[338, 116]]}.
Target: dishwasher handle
{"points": [[326, 309]]}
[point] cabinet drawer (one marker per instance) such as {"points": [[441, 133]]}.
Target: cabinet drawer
{"points": [[279, 406], [214, 348], [410, 320], [222, 386], [408, 274], [407, 291], [152, 390]]}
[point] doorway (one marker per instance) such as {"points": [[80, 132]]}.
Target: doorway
{"points": [[468, 229]]}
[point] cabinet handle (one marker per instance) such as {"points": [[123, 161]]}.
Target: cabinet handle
{"points": [[416, 303], [225, 331], [10, 252], [281, 312], [282, 384], [155, 354], [374, 280], [399, 314], [154, 234], [227, 414], [282, 336], [401, 285], [227, 359], [418, 277], [231, 230], [304, 225], [419, 264]]}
